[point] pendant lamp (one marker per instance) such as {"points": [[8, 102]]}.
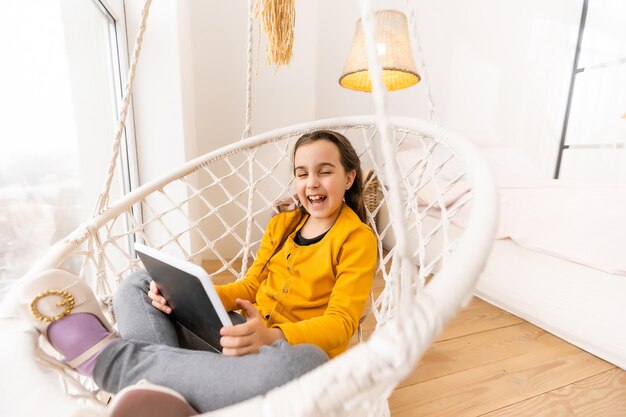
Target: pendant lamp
{"points": [[394, 54]]}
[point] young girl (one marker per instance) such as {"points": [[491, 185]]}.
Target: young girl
{"points": [[303, 297]]}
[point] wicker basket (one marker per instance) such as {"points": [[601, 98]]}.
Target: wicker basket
{"points": [[372, 194]]}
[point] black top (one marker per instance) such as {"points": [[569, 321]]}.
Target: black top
{"points": [[302, 241]]}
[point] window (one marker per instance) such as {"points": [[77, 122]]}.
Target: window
{"points": [[594, 133], [61, 79]]}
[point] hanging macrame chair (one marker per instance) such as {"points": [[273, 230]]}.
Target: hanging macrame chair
{"points": [[230, 194]]}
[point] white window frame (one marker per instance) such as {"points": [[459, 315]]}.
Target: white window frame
{"points": [[127, 165]]}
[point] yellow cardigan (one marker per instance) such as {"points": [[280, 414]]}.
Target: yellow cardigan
{"points": [[314, 294]]}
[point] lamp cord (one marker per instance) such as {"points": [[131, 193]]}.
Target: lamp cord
{"points": [[421, 62]]}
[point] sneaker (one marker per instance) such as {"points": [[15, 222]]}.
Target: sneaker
{"points": [[148, 400]]}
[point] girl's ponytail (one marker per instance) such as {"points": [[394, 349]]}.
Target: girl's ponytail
{"points": [[354, 197]]}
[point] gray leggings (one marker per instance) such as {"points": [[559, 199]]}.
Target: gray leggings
{"points": [[149, 349]]}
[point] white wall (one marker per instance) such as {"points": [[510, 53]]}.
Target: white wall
{"points": [[499, 69], [191, 81], [163, 97], [219, 48], [499, 74], [164, 126]]}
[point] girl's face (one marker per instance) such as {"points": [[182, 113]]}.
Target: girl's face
{"points": [[321, 180]]}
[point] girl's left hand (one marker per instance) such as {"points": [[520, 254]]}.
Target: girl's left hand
{"points": [[248, 337]]}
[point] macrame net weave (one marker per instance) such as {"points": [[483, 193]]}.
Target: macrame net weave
{"points": [[229, 195]]}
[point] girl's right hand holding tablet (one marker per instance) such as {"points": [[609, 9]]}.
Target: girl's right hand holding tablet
{"points": [[158, 301]]}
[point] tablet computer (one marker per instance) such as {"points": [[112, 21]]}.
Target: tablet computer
{"points": [[190, 293]]}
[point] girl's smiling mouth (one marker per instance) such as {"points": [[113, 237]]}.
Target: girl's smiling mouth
{"points": [[316, 199]]}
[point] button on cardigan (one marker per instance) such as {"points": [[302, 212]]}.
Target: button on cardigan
{"points": [[314, 294]]}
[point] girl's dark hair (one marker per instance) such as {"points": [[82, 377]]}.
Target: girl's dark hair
{"points": [[349, 160]]}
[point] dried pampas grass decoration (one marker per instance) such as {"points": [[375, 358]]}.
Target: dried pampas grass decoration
{"points": [[279, 20]]}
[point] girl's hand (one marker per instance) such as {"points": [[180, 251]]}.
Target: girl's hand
{"points": [[158, 300], [248, 337]]}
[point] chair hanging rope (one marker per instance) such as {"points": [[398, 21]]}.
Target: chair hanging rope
{"points": [[248, 128], [380, 102], [103, 199]]}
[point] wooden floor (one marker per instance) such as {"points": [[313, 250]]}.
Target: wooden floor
{"points": [[488, 362]]}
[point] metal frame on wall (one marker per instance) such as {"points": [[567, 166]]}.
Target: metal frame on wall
{"points": [[575, 71]]}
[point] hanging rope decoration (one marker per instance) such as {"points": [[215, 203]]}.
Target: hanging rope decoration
{"points": [[278, 18]]}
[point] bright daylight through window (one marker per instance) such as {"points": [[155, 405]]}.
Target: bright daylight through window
{"points": [[59, 105]]}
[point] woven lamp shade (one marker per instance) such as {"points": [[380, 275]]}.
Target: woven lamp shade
{"points": [[394, 54]]}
